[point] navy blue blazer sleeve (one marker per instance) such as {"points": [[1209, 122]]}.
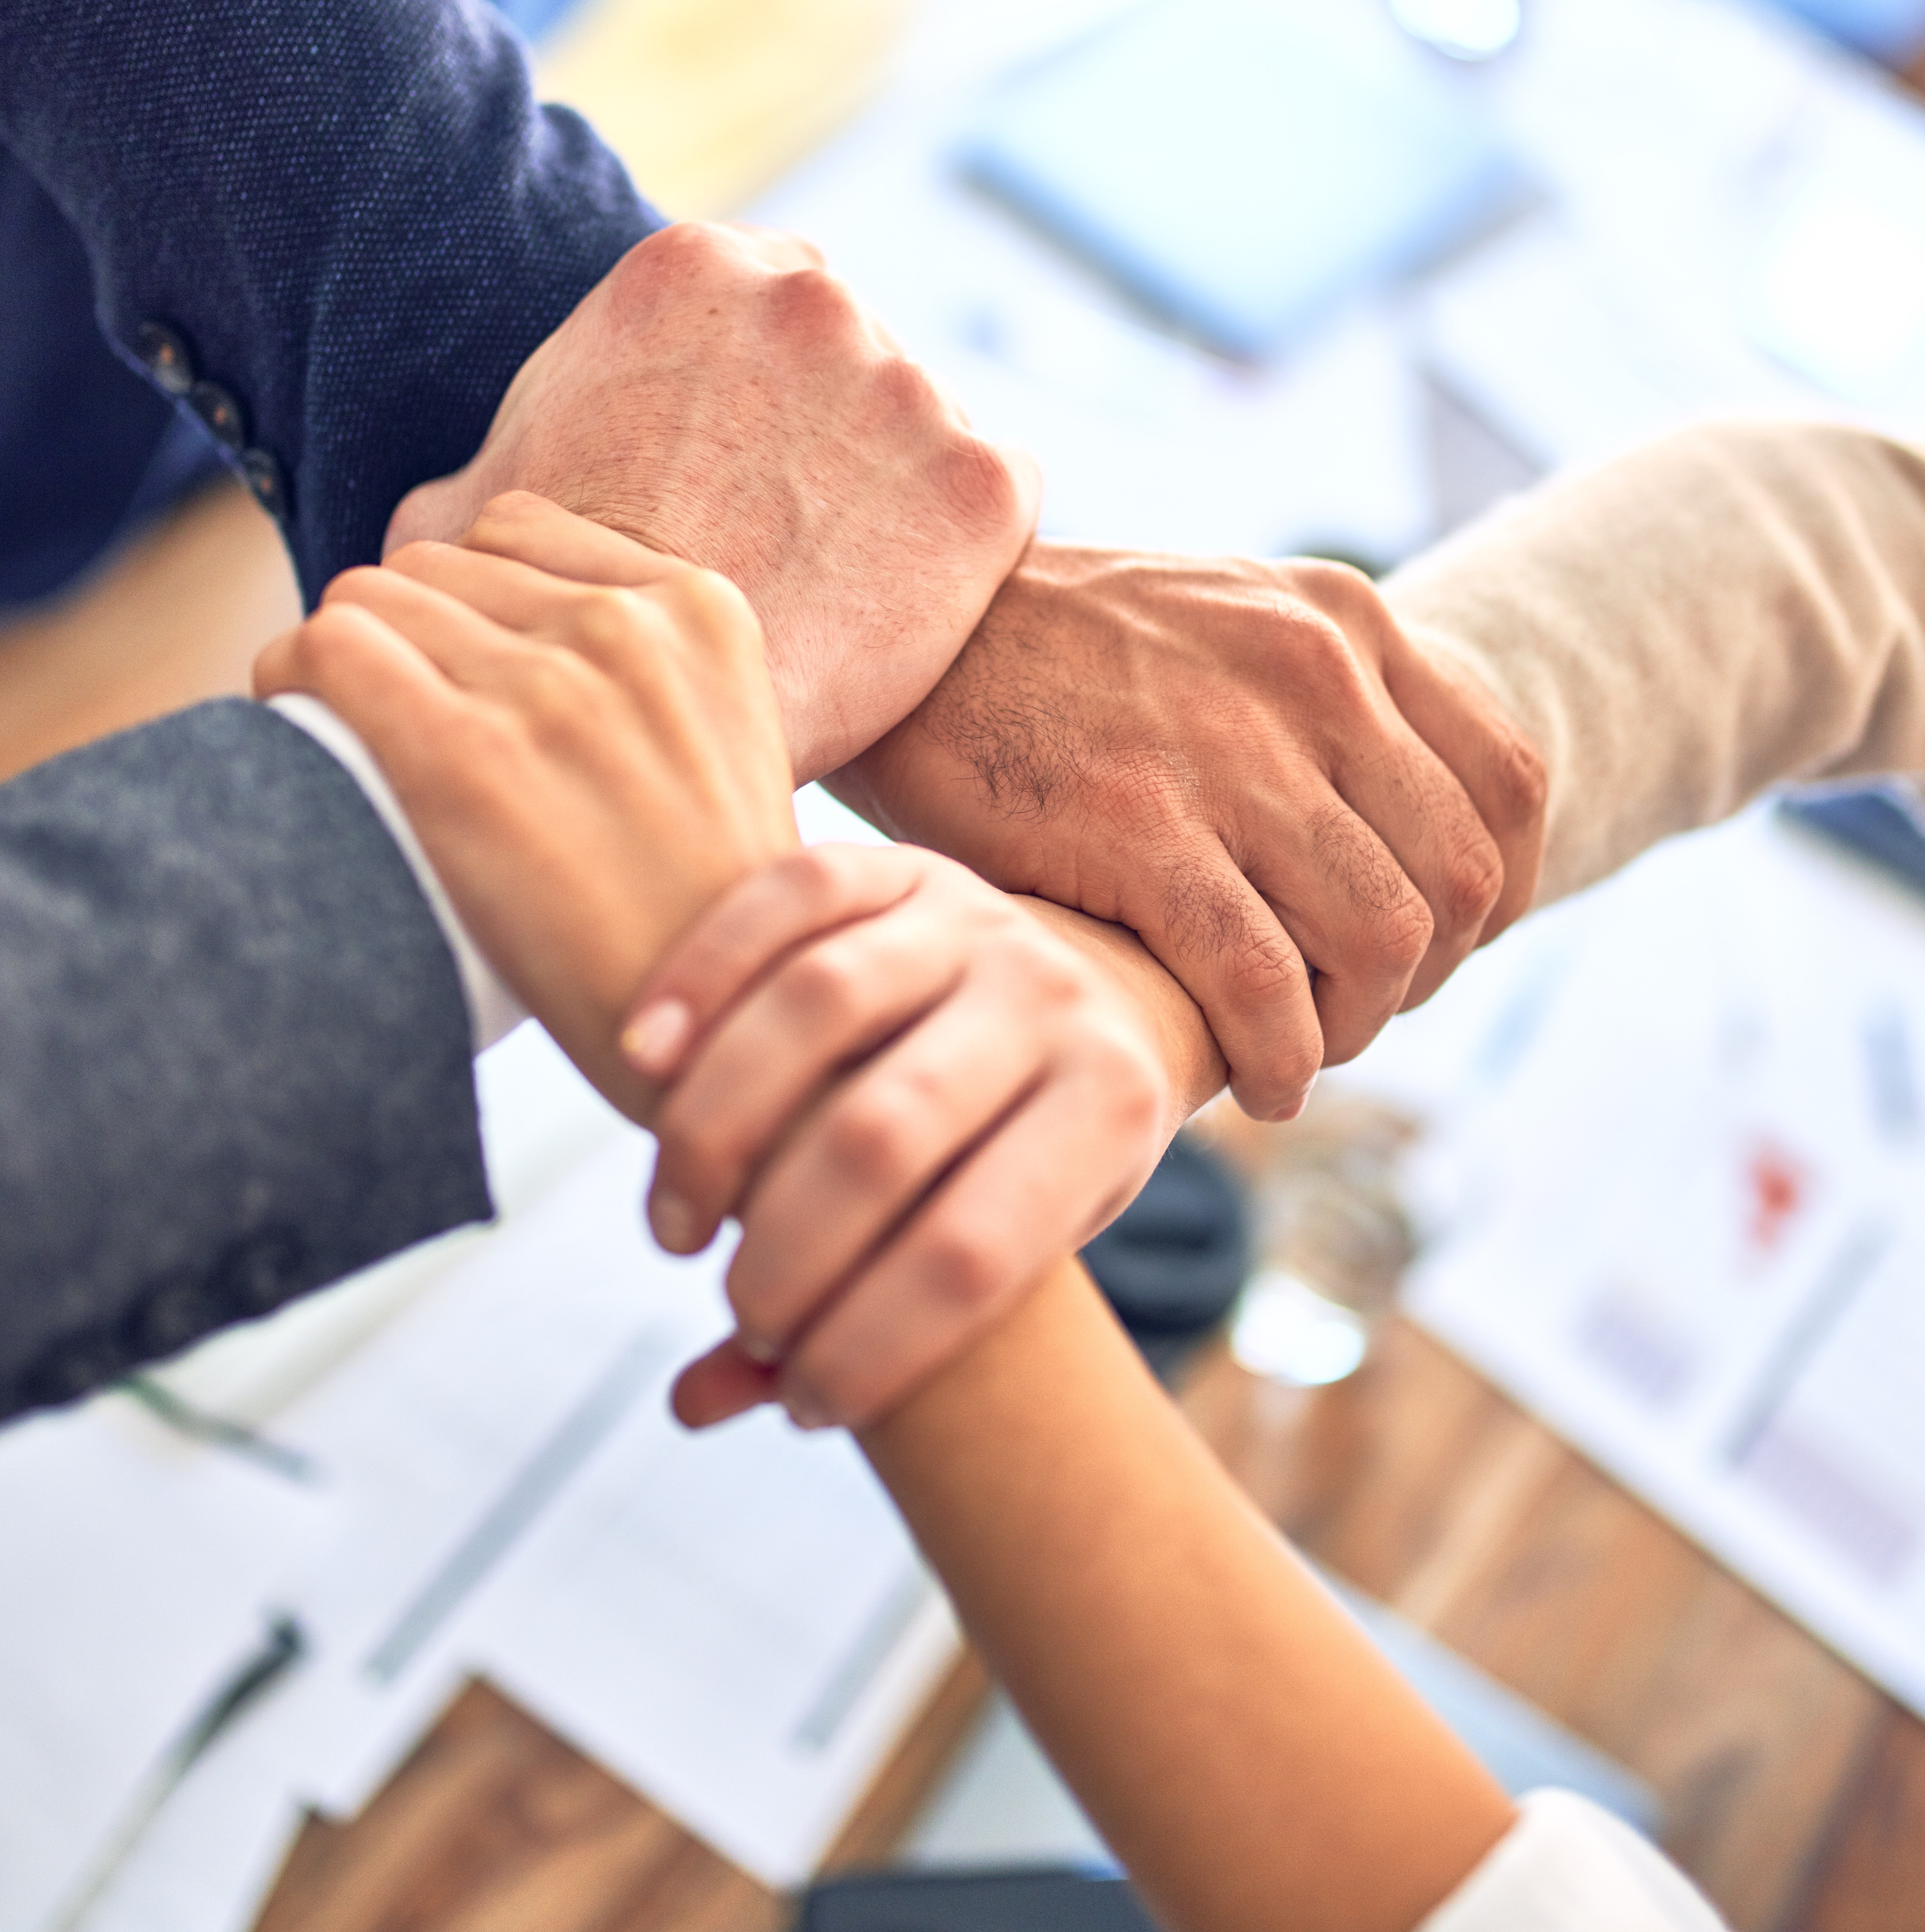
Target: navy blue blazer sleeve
{"points": [[346, 223], [234, 1051]]}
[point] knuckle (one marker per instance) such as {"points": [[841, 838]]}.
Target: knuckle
{"points": [[511, 510], [1273, 1086], [1473, 880], [1399, 934], [555, 695], [1204, 913], [698, 1151], [826, 984], [317, 647], [1260, 968], [961, 1266], [1135, 1085], [814, 302], [1523, 781], [1318, 639], [1056, 980], [353, 586], [711, 603], [904, 388], [692, 242], [977, 485], [604, 618], [869, 1140], [410, 556], [822, 875]]}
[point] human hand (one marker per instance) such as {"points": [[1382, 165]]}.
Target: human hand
{"points": [[587, 766], [914, 1097], [1309, 823], [719, 397]]}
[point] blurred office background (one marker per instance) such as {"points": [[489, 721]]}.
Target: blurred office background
{"points": [[1254, 275]]}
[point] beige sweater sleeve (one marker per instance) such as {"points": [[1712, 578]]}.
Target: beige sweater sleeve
{"points": [[1677, 630]]}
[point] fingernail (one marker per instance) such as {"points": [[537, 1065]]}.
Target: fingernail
{"points": [[807, 1408], [758, 1350], [672, 1215], [654, 1039], [805, 1412], [1302, 1100]]}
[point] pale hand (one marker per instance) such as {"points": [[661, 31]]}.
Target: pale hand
{"points": [[588, 758], [912, 1095], [719, 397]]}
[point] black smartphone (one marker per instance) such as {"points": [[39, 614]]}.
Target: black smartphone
{"points": [[1052, 1898]]}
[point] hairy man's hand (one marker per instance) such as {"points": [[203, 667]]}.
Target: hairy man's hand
{"points": [[1309, 822], [720, 397]]}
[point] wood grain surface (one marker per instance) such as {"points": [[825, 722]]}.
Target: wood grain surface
{"points": [[1795, 1792]]}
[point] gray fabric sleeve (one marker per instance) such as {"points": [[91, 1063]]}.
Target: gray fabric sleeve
{"points": [[234, 1049]]}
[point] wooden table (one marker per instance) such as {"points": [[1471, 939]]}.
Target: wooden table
{"points": [[1794, 1791]]}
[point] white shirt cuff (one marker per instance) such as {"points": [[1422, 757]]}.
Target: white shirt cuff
{"points": [[1567, 1865], [493, 1010]]}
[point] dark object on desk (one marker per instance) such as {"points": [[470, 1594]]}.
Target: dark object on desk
{"points": [[1034, 1899], [1881, 824], [1242, 169], [1174, 1260]]}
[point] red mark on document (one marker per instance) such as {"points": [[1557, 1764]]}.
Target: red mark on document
{"points": [[1777, 1186]]}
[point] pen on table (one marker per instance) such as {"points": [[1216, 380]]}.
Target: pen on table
{"points": [[219, 1432], [279, 1651]]}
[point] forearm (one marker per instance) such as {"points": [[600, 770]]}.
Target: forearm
{"points": [[1731, 608], [1239, 1743]]}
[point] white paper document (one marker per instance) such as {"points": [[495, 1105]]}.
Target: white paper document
{"points": [[1682, 1179], [139, 1571], [735, 1622]]}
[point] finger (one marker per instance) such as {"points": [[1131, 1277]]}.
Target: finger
{"points": [[820, 1008], [520, 597], [1358, 922], [724, 1382], [1497, 765], [530, 529], [863, 1160], [1433, 835], [372, 677], [274, 666], [1208, 927], [1051, 1177], [468, 648], [799, 896]]}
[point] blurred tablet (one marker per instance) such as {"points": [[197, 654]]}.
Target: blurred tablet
{"points": [[1883, 823], [1238, 168]]}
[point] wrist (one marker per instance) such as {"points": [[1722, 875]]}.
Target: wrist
{"points": [[1172, 1022]]}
